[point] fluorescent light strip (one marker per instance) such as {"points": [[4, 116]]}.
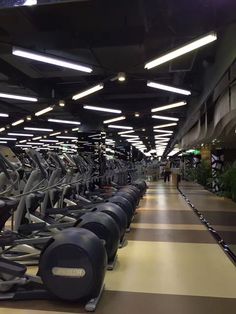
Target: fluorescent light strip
{"points": [[3, 142], [23, 141], [126, 132], [17, 122], [165, 125], [94, 135], [2, 129], [89, 91], [8, 139], [131, 136], [170, 106], [18, 97], [75, 129], [35, 143], [202, 41], [21, 134], [4, 115], [114, 120], [49, 141], [102, 109], [63, 121], [38, 129], [43, 111], [50, 60], [37, 138], [168, 88], [54, 134], [163, 131], [165, 118], [119, 127], [68, 137], [23, 145]]}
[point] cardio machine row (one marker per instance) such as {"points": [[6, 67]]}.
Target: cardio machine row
{"points": [[66, 220]]}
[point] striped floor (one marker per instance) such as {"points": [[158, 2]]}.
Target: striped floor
{"points": [[170, 265]]}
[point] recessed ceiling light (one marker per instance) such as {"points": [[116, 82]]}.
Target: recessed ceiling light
{"points": [[168, 88], [4, 115], [18, 97], [165, 125], [38, 129], [121, 76], [119, 127], [114, 119], [136, 114], [28, 118], [62, 103], [2, 129], [102, 109], [21, 134], [89, 91], [165, 118], [170, 106], [50, 59], [17, 122], [43, 111], [202, 41], [63, 121]]}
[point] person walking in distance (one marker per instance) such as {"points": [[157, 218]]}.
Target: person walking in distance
{"points": [[167, 171]]}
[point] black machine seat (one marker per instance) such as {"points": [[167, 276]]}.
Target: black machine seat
{"points": [[12, 268], [7, 205]]}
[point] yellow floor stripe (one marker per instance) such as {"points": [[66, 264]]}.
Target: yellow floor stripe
{"points": [[168, 226]]}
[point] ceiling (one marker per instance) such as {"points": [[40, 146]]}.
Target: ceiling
{"points": [[111, 37]]}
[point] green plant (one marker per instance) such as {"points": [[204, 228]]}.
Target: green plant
{"points": [[201, 173], [228, 181]]}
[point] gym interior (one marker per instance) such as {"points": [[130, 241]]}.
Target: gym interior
{"points": [[117, 156]]}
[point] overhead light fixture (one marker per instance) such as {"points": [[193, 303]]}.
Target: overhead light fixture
{"points": [[4, 115], [28, 118], [121, 76], [23, 145], [49, 59], [126, 132], [35, 143], [136, 114], [8, 139], [30, 2], [3, 142], [37, 138], [132, 136], [21, 134], [62, 103], [165, 118], [163, 131], [23, 141], [114, 119], [63, 121], [102, 109], [112, 126], [89, 91], [137, 141], [49, 141], [168, 88], [43, 111], [54, 134], [75, 129], [38, 129], [18, 97], [68, 137], [202, 41], [165, 125], [17, 122], [2, 129], [170, 106]]}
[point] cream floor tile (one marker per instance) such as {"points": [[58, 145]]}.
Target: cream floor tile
{"points": [[168, 226], [173, 268]]}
